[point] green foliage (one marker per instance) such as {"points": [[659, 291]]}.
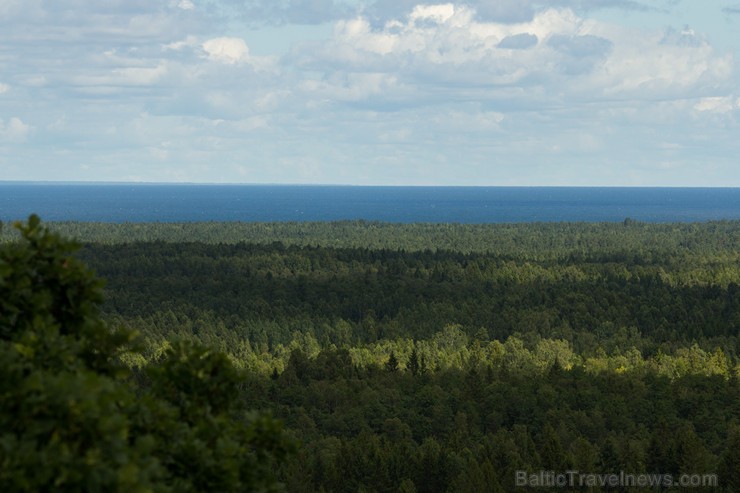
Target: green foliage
{"points": [[392, 363], [729, 466], [48, 305], [195, 379], [228, 295], [414, 364], [420, 358], [534, 241], [70, 419]]}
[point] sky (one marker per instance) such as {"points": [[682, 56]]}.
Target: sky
{"points": [[372, 92]]}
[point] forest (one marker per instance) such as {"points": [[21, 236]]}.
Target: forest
{"points": [[421, 357]]}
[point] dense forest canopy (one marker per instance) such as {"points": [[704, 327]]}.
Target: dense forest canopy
{"points": [[544, 240], [421, 357]]}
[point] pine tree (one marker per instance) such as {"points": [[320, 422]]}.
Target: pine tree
{"points": [[413, 364]]}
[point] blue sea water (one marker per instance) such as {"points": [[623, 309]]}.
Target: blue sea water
{"points": [[186, 202]]}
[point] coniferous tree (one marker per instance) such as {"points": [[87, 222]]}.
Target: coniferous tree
{"points": [[413, 364]]}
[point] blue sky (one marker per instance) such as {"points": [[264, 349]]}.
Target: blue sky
{"points": [[395, 92]]}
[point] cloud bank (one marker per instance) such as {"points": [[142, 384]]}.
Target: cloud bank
{"points": [[404, 92]]}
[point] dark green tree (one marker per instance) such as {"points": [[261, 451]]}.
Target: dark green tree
{"points": [[413, 364], [729, 465], [70, 419]]}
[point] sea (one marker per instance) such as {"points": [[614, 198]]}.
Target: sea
{"points": [[142, 202]]}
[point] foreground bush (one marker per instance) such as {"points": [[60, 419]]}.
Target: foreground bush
{"points": [[71, 416]]}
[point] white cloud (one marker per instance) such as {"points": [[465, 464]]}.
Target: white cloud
{"points": [[353, 87], [114, 78], [97, 23], [227, 50], [186, 5], [14, 130], [140, 76], [4, 88], [188, 42], [665, 65], [510, 11], [438, 14], [562, 54], [717, 104]]}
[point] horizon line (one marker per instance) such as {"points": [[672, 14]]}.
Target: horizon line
{"points": [[194, 183]]}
